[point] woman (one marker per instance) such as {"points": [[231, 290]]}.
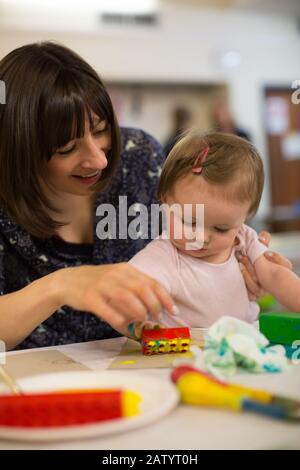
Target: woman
{"points": [[59, 160]]}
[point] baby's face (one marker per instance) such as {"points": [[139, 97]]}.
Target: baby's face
{"points": [[222, 219]]}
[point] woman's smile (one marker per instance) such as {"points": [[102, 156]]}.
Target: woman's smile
{"points": [[90, 178]]}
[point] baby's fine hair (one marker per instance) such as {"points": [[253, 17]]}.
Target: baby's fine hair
{"points": [[233, 166]]}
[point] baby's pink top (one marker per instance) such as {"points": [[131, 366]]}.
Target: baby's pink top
{"points": [[203, 291]]}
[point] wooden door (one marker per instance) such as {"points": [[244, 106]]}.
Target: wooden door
{"points": [[283, 137]]}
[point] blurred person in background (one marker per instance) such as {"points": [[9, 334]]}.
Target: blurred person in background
{"points": [[181, 122], [224, 122]]}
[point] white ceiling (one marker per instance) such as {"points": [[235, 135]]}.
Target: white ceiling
{"points": [[287, 7]]}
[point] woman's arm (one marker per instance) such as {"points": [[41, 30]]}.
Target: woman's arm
{"points": [[118, 293], [282, 283], [22, 311]]}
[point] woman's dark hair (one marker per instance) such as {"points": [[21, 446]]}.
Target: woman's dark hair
{"points": [[49, 92]]}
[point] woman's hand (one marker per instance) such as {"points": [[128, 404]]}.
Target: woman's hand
{"points": [[135, 330], [253, 287], [118, 293]]}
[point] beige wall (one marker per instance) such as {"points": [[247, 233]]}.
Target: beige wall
{"points": [[150, 106], [185, 47]]}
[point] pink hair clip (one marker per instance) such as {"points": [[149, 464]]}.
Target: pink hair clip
{"points": [[200, 159]]}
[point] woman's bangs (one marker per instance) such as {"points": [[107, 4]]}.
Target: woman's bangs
{"points": [[63, 120], [65, 117], [98, 106]]}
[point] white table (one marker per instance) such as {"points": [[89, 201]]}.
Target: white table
{"points": [[186, 427]]}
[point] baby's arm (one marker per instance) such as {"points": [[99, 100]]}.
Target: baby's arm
{"points": [[282, 283]]}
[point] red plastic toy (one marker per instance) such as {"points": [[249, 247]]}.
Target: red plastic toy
{"points": [[67, 408], [165, 340]]}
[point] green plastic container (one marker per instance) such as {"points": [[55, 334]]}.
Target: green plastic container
{"points": [[280, 327]]}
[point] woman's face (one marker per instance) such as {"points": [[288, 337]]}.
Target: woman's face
{"points": [[77, 166]]}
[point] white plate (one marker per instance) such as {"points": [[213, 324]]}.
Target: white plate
{"points": [[159, 397]]}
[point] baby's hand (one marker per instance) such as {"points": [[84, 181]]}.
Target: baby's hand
{"points": [[136, 329]]}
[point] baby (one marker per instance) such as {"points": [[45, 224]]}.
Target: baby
{"points": [[224, 173]]}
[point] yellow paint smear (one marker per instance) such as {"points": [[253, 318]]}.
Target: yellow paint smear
{"points": [[125, 363]]}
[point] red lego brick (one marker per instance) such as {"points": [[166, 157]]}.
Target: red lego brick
{"points": [[165, 340]]}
